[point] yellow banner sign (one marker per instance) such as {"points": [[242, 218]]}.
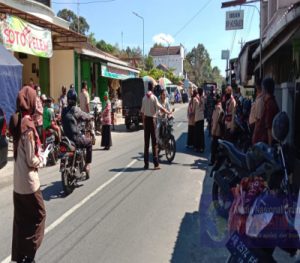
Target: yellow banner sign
{"points": [[21, 36]]}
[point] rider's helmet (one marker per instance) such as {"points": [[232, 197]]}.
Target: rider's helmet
{"points": [[72, 97], [280, 126]]}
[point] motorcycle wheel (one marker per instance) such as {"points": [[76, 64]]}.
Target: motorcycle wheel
{"points": [[170, 149], [67, 183], [222, 201]]}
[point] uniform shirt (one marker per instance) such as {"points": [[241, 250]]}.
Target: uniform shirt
{"points": [[38, 115], [84, 100], [150, 105], [26, 179], [63, 103], [230, 112], [216, 118], [199, 109]]}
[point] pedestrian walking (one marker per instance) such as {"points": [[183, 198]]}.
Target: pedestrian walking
{"points": [[191, 119], [63, 101], [263, 127], [38, 115], [216, 128], [84, 98], [199, 141], [150, 106], [229, 114], [106, 141], [29, 209]]}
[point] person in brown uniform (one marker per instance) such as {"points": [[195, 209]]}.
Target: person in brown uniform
{"points": [[150, 106], [263, 127], [29, 209], [229, 114]]}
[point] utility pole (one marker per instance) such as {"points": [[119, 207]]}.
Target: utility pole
{"points": [[78, 24], [242, 43], [122, 39]]}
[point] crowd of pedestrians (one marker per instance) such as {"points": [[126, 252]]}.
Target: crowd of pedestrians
{"points": [[221, 112]]}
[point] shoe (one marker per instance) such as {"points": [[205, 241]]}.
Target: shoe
{"points": [[156, 167], [146, 167]]}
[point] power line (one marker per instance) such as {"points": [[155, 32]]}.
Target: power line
{"points": [[192, 18], [84, 3]]}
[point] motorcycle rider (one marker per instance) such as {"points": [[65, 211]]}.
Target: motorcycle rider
{"points": [[71, 115]]}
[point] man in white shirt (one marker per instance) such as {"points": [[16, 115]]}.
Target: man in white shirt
{"points": [[150, 106]]}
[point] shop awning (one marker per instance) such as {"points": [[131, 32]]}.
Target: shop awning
{"points": [[63, 37], [276, 45]]}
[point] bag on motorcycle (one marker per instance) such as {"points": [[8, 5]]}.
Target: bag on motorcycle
{"points": [[259, 217], [244, 196]]}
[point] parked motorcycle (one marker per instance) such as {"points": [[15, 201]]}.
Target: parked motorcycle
{"points": [[166, 139], [270, 221], [232, 166], [243, 134]]}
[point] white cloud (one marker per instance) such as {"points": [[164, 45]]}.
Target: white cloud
{"points": [[164, 39]]}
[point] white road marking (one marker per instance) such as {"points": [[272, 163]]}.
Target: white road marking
{"points": [[77, 206], [179, 124]]}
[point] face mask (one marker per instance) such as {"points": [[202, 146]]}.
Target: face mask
{"points": [[39, 93], [52, 105]]}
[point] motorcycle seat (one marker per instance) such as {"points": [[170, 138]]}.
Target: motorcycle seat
{"points": [[237, 157]]}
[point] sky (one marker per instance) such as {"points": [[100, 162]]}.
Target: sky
{"points": [[188, 22]]}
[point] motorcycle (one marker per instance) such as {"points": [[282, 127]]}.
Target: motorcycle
{"points": [[72, 165], [243, 134], [270, 222], [231, 167], [166, 139], [95, 105], [51, 141]]}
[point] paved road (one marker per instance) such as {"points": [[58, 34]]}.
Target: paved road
{"points": [[125, 214]]}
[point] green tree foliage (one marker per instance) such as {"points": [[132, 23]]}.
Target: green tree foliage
{"points": [[198, 67], [92, 39], [106, 47], [70, 16], [149, 64]]}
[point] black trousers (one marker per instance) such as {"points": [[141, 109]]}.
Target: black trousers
{"points": [[199, 142], [85, 143], [190, 135], [149, 131], [214, 148], [106, 136]]}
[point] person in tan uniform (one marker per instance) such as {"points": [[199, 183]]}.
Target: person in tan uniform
{"points": [[84, 98], [216, 129], [150, 107], [29, 209], [191, 119], [229, 114]]}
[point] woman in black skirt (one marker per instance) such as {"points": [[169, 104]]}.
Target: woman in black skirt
{"points": [[106, 123], [191, 120]]}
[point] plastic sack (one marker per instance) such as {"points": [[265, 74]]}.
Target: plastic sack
{"points": [[259, 216]]}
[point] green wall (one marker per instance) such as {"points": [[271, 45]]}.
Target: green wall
{"points": [[103, 86], [44, 75]]}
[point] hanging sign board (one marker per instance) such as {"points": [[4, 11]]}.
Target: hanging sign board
{"points": [[21, 36], [235, 20], [225, 54]]}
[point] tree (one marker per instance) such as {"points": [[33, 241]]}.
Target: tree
{"points": [[92, 39], [70, 16], [198, 67], [149, 64]]}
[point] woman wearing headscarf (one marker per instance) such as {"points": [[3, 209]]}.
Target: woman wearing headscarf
{"points": [[106, 122], [29, 209], [191, 119], [199, 142]]}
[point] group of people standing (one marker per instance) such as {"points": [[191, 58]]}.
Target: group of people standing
{"points": [[260, 119], [196, 108]]}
